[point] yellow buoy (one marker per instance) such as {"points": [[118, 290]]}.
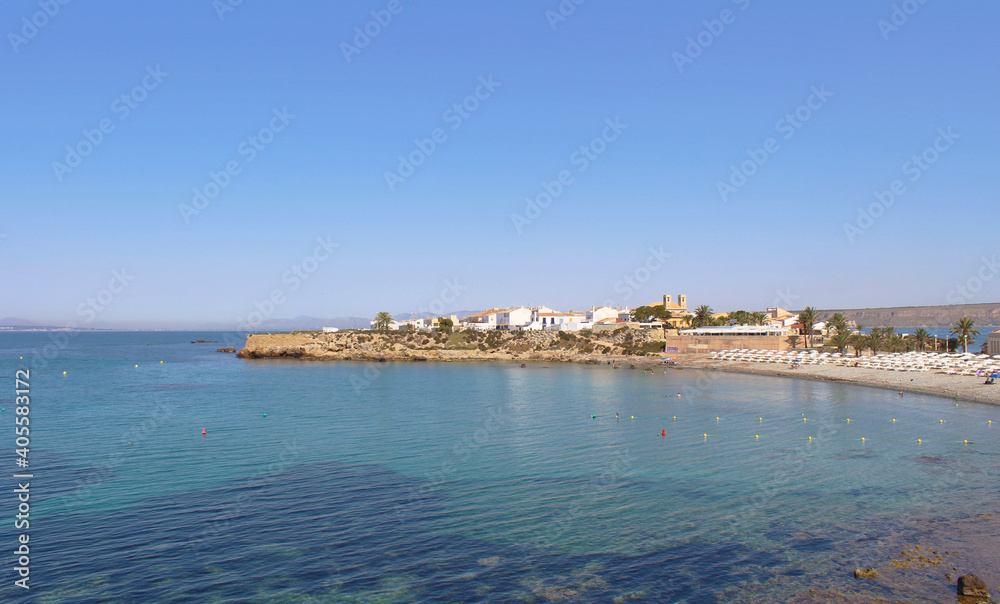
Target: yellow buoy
{"points": [[705, 435], [810, 438], [64, 373], [941, 421], [716, 419], [675, 417], [862, 439], [22, 358], [757, 436], [894, 420], [760, 419], [161, 362], [991, 422], [848, 420], [633, 417], [966, 442], [803, 419], [136, 366], [919, 441]]}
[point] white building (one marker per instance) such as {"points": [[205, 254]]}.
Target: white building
{"points": [[738, 330], [993, 342], [598, 314], [499, 318]]}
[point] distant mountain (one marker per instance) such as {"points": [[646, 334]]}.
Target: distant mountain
{"points": [[14, 322]]}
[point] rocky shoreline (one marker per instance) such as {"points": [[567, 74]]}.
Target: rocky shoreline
{"points": [[627, 347]]}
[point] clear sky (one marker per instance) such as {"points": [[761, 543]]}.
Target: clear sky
{"points": [[745, 138]]}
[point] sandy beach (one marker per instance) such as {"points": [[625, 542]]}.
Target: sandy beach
{"points": [[965, 388]]}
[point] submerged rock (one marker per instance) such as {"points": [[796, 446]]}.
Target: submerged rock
{"points": [[972, 585], [865, 573]]}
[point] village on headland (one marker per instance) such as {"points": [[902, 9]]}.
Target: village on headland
{"points": [[703, 330]]}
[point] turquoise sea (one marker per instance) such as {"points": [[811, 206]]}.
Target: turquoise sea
{"points": [[459, 482]]}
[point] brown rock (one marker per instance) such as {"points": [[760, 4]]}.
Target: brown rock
{"points": [[971, 585], [225, 350], [865, 573]]}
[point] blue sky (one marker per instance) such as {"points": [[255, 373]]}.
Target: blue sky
{"points": [[695, 88]]}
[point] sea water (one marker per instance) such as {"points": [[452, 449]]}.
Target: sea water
{"points": [[456, 482]]}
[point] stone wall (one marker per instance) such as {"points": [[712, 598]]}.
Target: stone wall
{"points": [[689, 344]]}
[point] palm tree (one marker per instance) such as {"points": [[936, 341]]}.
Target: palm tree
{"points": [[838, 323], [840, 342], [858, 341], [893, 343], [759, 318], [382, 321], [920, 338], [875, 340], [965, 327], [702, 316], [808, 318]]}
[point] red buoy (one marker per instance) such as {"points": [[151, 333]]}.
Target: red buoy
{"points": [[664, 433], [203, 432]]}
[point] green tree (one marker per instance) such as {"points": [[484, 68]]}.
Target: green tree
{"points": [[445, 325], [875, 340], [837, 324], [808, 318], [702, 316], [858, 342], [759, 318], [382, 321], [650, 314], [920, 338], [840, 342], [965, 328], [894, 343]]}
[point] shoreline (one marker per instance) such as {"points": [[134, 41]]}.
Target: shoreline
{"points": [[624, 348], [961, 388]]}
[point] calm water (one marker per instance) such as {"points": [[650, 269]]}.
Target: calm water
{"points": [[459, 482]]}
